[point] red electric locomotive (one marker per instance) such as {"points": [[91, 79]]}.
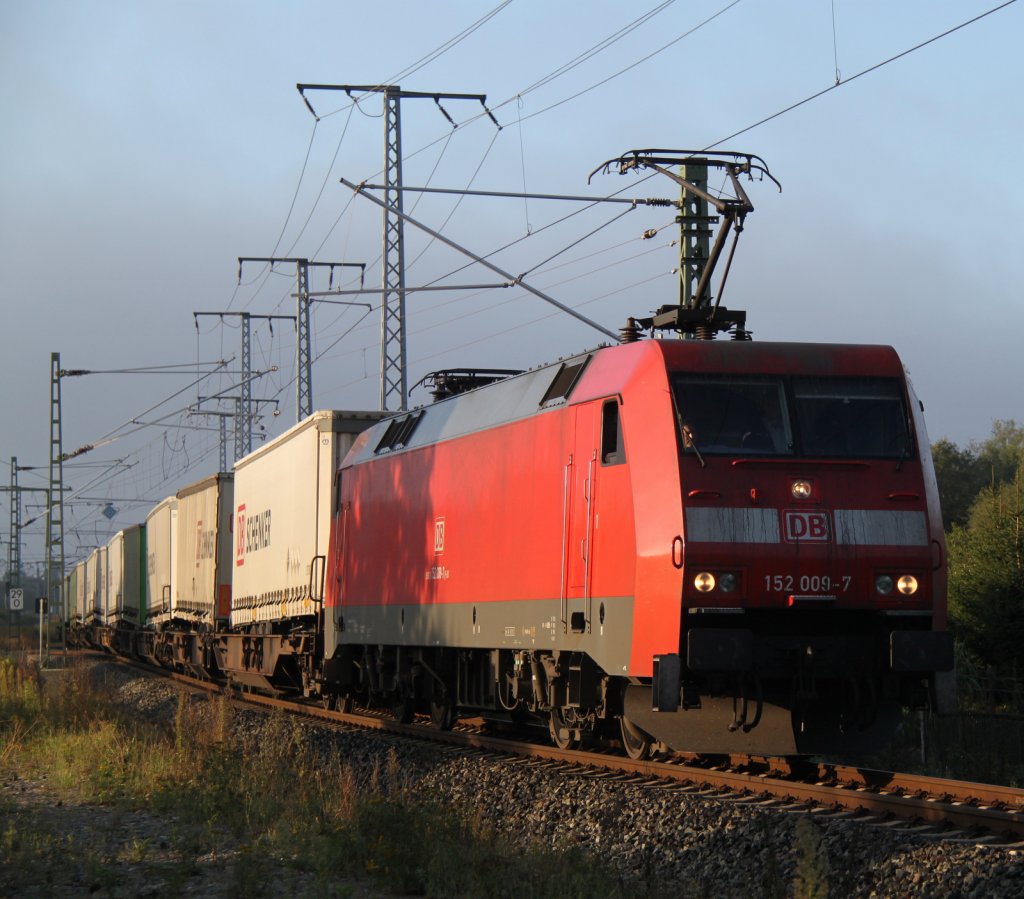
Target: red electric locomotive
{"points": [[715, 546]]}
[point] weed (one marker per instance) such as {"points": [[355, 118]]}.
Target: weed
{"points": [[138, 850], [772, 886], [270, 791], [810, 879]]}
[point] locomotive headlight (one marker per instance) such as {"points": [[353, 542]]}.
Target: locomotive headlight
{"points": [[907, 585], [801, 489], [704, 582], [883, 584], [727, 582]]}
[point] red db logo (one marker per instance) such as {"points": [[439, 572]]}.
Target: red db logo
{"points": [[806, 527], [240, 537]]}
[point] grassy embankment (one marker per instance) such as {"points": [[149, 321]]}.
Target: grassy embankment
{"points": [[262, 805]]}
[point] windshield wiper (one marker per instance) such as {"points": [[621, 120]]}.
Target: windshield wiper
{"points": [[688, 441], [907, 446]]}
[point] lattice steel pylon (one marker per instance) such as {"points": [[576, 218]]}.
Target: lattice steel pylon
{"points": [[393, 379], [14, 548], [393, 382], [304, 359], [243, 416], [55, 508]]}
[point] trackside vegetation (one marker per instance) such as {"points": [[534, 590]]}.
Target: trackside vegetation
{"points": [[264, 803], [982, 493]]}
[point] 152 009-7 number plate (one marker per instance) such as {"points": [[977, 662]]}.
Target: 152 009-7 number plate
{"points": [[807, 583]]}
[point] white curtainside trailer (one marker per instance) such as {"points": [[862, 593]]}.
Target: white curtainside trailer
{"points": [[124, 577], [283, 516], [202, 588], [161, 560], [81, 591], [95, 586]]}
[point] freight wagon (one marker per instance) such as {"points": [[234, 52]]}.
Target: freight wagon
{"points": [[282, 498]]}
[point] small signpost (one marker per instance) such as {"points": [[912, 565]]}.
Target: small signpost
{"points": [[16, 599]]}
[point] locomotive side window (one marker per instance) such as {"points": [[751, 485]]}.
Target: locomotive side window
{"points": [[733, 415], [851, 417], [612, 450]]}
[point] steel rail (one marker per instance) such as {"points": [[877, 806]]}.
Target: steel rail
{"points": [[935, 801], [877, 796]]}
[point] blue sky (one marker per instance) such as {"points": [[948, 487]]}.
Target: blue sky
{"points": [[146, 146]]}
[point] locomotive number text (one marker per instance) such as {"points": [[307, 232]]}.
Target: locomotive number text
{"points": [[807, 583]]}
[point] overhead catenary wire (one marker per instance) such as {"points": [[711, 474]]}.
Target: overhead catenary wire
{"points": [[600, 46], [873, 68], [408, 70], [808, 99], [561, 70], [428, 58], [548, 286], [464, 298], [443, 323]]}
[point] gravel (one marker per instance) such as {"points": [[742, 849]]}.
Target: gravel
{"points": [[685, 844]]}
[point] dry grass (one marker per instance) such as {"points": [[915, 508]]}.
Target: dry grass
{"points": [[269, 799]]}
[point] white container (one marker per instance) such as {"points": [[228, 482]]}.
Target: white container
{"points": [[202, 588], [124, 577], [80, 598], [161, 560], [95, 580], [283, 516]]}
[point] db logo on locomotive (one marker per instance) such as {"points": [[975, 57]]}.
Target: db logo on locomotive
{"points": [[806, 527]]}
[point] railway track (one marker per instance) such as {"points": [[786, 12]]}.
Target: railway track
{"points": [[957, 811]]}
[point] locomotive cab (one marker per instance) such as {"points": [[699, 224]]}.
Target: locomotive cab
{"points": [[813, 596]]}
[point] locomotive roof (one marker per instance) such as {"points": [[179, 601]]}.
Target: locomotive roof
{"points": [[607, 371]]}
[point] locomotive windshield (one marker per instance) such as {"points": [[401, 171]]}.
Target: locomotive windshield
{"points": [[775, 416], [731, 415], [851, 417]]}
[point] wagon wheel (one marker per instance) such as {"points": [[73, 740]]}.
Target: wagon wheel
{"points": [[442, 713], [636, 743], [403, 705], [563, 736]]}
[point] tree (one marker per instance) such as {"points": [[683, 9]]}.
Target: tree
{"points": [[959, 476], [1001, 454], [963, 473], [986, 578]]}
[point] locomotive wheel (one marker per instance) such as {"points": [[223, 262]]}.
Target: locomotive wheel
{"points": [[345, 703], [563, 736], [636, 743], [442, 714], [328, 701]]}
